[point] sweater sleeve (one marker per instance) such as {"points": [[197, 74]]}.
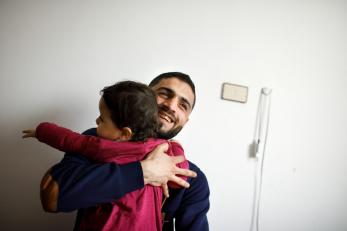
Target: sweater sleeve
{"points": [[93, 147], [76, 182], [192, 213], [189, 206], [66, 140]]}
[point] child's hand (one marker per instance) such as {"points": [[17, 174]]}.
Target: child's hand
{"points": [[29, 133]]}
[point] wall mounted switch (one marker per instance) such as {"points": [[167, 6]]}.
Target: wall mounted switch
{"points": [[234, 92]]}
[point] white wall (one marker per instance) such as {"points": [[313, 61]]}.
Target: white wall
{"points": [[55, 56]]}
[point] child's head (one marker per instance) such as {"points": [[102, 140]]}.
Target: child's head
{"points": [[128, 111]]}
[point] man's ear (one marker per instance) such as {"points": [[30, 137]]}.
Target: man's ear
{"points": [[126, 134]]}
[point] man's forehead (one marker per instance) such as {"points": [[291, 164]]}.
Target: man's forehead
{"points": [[179, 87]]}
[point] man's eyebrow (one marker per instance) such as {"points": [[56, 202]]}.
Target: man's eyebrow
{"points": [[166, 89], [171, 92]]}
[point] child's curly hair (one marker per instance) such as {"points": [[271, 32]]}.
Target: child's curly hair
{"points": [[133, 105]]}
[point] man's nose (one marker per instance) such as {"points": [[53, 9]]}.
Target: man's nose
{"points": [[171, 103], [97, 121]]}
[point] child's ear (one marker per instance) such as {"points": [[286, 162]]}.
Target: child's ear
{"points": [[126, 134]]}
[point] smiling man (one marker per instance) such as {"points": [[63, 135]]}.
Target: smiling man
{"points": [[78, 183], [176, 99], [188, 206]]}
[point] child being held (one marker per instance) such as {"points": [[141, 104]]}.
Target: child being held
{"points": [[126, 130]]}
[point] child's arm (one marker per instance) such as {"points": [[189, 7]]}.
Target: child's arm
{"points": [[96, 148], [66, 140]]}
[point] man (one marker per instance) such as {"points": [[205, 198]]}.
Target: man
{"points": [[77, 183]]}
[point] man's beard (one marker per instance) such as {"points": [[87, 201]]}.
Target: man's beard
{"points": [[169, 134]]}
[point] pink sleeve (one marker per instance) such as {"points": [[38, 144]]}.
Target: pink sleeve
{"points": [[177, 150], [66, 140], [98, 149]]}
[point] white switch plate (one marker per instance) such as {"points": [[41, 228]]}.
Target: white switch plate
{"points": [[234, 92]]}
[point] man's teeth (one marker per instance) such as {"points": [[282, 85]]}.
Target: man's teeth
{"points": [[167, 118]]}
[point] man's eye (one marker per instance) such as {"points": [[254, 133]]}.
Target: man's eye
{"points": [[184, 106], [163, 94]]}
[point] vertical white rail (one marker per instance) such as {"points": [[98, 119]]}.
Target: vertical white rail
{"points": [[259, 146]]}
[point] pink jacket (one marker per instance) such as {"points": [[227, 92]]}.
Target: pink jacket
{"points": [[139, 210]]}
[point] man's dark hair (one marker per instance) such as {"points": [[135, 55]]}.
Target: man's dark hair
{"points": [[178, 75], [133, 105]]}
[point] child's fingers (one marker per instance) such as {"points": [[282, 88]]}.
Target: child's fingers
{"points": [[28, 133], [25, 136]]}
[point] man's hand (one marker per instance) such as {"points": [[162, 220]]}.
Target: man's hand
{"points": [[29, 133], [159, 168]]}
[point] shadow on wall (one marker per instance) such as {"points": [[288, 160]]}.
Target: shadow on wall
{"points": [[23, 163]]}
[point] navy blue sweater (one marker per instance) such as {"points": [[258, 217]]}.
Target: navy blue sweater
{"points": [[83, 184]]}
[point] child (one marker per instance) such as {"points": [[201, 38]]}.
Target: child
{"points": [[128, 112]]}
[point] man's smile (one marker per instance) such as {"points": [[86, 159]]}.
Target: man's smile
{"points": [[166, 116]]}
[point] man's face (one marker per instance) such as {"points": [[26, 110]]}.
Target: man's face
{"points": [[175, 100]]}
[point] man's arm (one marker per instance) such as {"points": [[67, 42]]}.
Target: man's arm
{"points": [[76, 182], [189, 206]]}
